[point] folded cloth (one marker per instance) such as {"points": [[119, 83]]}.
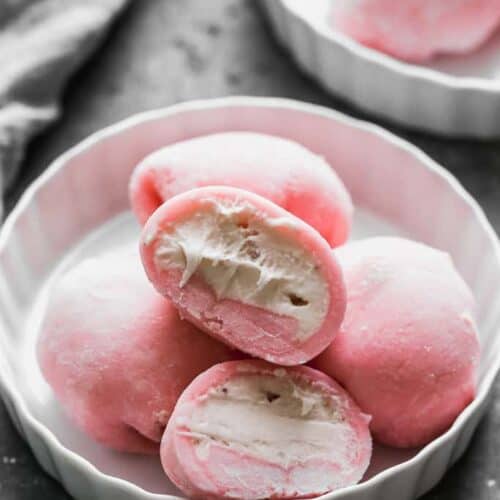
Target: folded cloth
{"points": [[41, 43]]}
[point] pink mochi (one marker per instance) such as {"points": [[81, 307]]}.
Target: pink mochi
{"points": [[408, 348], [252, 430], [277, 169], [116, 353], [417, 30], [247, 272]]}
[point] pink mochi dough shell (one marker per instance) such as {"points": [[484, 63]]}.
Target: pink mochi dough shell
{"points": [[116, 353], [418, 30], [277, 169], [224, 471], [257, 331], [408, 349]]}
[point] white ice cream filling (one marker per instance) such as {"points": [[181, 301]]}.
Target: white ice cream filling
{"points": [[271, 418], [247, 260]]}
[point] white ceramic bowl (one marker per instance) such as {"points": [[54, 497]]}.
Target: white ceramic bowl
{"points": [[457, 96], [79, 207]]}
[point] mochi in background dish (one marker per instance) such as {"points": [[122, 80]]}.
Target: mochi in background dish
{"points": [[417, 30]]}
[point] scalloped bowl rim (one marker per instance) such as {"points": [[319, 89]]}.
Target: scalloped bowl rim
{"points": [[46, 435], [410, 70]]}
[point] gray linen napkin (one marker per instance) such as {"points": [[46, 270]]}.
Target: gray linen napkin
{"points": [[41, 43]]}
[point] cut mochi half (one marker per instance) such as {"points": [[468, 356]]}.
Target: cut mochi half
{"points": [[247, 272], [252, 430]]}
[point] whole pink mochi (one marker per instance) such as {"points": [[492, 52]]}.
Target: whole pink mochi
{"points": [[116, 353], [417, 30], [277, 169], [247, 272], [252, 430], [407, 350]]}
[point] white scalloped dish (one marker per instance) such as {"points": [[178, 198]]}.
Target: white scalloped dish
{"points": [[79, 207], [453, 95]]}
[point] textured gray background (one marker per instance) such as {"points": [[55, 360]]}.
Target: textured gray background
{"points": [[166, 51]]}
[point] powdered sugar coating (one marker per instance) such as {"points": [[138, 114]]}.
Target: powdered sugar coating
{"points": [[277, 169], [116, 353], [407, 349]]}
